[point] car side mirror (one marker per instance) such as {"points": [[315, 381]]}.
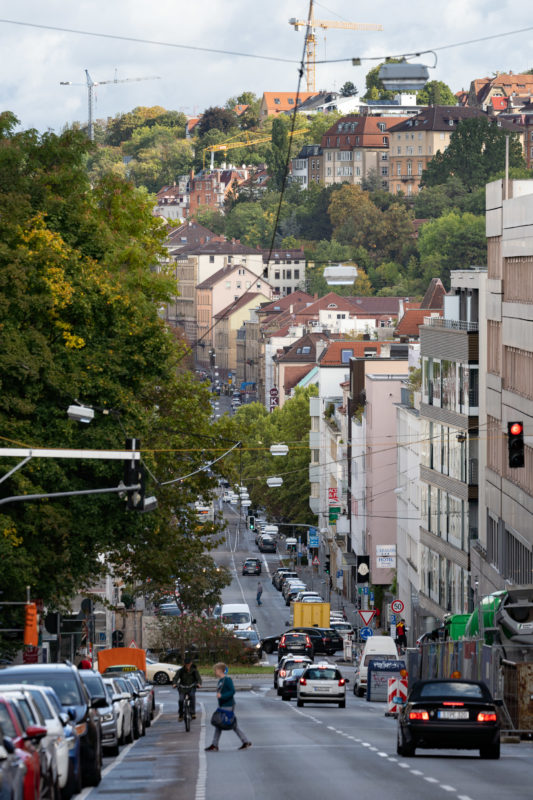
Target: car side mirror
{"points": [[35, 732], [64, 717], [254, 622], [71, 711], [99, 702], [9, 745], [346, 680]]}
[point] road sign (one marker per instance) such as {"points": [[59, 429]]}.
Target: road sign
{"points": [[365, 589], [312, 538], [397, 606], [366, 616], [393, 619], [132, 643], [366, 633], [316, 562]]}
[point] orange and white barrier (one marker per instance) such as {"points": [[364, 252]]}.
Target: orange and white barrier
{"points": [[396, 695]]}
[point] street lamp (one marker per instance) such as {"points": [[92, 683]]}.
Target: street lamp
{"points": [[279, 449], [80, 413], [274, 482], [340, 275]]}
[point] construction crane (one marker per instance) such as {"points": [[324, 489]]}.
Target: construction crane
{"points": [[310, 39], [245, 140], [90, 92]]}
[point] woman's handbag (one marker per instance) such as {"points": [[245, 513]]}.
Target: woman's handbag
{"points": [[224, 718]]}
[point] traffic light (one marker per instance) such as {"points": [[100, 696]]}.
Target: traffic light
{"points": [[515, 444], [327, 565], [31, 636], [134, 475], [251, 523], [117, 638]]}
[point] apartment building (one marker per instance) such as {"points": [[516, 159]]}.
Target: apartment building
{"points": [[505, 552], [306, 168], [415, 141], [172, 202], [285, 271], [211, 187], [228, 322], [356, 147], [449, 448]]}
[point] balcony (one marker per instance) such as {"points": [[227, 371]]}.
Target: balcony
{"points": [[314, 473], [314, 440], [314, 504], [451, 324]]}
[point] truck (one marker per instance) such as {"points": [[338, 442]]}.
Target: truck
{"points": [[309, 615]]}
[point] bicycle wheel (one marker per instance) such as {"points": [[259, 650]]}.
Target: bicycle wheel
{"points": [[187, 716]]}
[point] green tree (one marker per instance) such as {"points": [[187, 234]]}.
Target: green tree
{"points": [[249, 223], [348, 89], [217, 118], [454, 241], [476, 152], [436, 93], [79, 306], [277, 159], [211, 218]]}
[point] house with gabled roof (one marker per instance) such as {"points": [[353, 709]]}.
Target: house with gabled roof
{"points": [[275, 103], [227, 322], [219, 291]]}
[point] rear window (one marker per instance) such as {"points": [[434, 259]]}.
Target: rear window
{"points": [[317, 674], [295, 637], [379, 657], [63, 683], [452, 689], [236, 618], [6, 722]]}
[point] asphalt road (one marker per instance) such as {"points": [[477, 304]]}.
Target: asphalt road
{"points": [[310, 753]]}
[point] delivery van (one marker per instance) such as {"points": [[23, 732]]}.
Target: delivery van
{"points": [[379, 647], [236, 617]]}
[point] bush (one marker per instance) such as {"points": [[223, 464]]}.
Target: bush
{"points": [[206, 640]]}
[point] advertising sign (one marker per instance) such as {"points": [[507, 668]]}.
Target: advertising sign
{"points": [[385, 562], [385, 550], [379, 673], [312, 538]]}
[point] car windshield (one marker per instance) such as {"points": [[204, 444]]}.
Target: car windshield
{"points": [[93, 683], [322, 674], [236, 618], [451, 689], [63, 683]]}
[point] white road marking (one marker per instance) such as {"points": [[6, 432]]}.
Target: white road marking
{"points": [[448, 788], [404, 766], [431, 780], [201, 781], [265, 562], [416, 772], [383, 755]]}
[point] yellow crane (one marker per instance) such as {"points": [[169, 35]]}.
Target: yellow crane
{"points": [[245, 140], [310, 39]]}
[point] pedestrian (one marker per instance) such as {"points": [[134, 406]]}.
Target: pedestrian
{"points": [[85, 664], [344, 614], [187, 679], [259, 593], [401, 637], [226, 702]]}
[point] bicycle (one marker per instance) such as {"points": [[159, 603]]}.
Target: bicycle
{"points": [[187, 706]]}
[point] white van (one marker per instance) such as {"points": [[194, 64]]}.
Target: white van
{"points": [[236, 617], [382, 647]]}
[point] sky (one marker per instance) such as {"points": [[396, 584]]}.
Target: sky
{"points": [[34, 61]]}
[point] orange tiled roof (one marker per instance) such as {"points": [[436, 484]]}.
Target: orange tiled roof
{"points": [[332, 356], [278, 102], [412, 320]]}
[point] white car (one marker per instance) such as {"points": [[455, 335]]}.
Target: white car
{"points": [[159, 672], [342, 628], [321, 683], [122, 704], [306, 593]]}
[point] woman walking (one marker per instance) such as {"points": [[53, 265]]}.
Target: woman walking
{"points": [[226, 701]]}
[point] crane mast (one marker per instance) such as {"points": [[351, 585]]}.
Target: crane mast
{"points": [[310, 38]]}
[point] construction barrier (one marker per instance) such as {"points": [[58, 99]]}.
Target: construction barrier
{"points": [[396, 696]]}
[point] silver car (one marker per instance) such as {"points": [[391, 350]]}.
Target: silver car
{"points": [[108, 718], [123, 708], [136, 704]]}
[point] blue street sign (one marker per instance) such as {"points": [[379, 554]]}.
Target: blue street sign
{"points": [[366, 633], [102, 636], [371, 597], [312, 538], [393, 619], [365, 589]]}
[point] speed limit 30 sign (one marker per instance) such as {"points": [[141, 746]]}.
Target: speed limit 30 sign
{"points": [[397, 606]]}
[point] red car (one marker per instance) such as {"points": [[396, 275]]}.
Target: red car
{"points": [[26, 742]]}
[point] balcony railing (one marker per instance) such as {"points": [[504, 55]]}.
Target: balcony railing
{"points": [[451, 324]]}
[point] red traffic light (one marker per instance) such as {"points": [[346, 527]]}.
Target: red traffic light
{"points": [[516, 428]]}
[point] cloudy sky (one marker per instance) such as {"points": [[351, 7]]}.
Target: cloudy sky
{"points": [[34, 60]]}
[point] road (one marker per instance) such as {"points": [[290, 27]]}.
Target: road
{"points": [[307, 753]]}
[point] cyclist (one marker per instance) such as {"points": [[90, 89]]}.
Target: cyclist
{"points": [[187, 679]]}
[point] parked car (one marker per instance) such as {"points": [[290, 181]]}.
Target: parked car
{"points": [[292, 584], [145, 694], [108, 719], [454, 714], [278, 573], [321, 683], [12, 769], [266, 544], [66, 682], [284, 577], [285, 665], [136, 705], [73, 784], [123, 710], [295, 643], [291, 593], [26, 745], [251, 566], [55, 744]]}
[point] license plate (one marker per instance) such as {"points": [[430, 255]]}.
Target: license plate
{"points": [[453, 714]]}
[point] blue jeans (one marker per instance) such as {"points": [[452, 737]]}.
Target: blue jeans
{"points": [[258, 598]]}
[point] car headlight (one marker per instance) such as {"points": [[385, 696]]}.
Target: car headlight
{"points": [[107, 717]]}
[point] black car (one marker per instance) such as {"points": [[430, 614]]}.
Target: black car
{"points": [[252, 566], [453, 714], [73, 696], [290, 683], [295, 643], [324, 640]]}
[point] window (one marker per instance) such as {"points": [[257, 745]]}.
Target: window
{"points": [[357, 171], [346, 355], [338, 141], [276, 275], [398, 168], [398, 188], [384, 156], [409, 151], [248, 284], [384, 171], [357, 139], [358, 155], [399, 136], [382, 127], [442, 135], [386, 141], [306, 349], [228, 284], [258, 286], [290, 101], [430, 149], [277, 101], [420, 167], [238, 284], [409, 168], [289, 274], [419, 150], [329, 156], [328, 172], [211, 259], [345, 155], [419, 135], [399, 149], [328, 141], [296, 274]]}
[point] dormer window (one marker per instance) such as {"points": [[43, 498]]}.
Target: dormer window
{"points": [[382, 126], [290, 101], [332, 305]]}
